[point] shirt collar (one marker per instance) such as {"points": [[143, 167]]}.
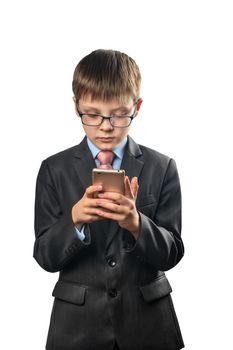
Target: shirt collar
{"points": [[119, 150]]}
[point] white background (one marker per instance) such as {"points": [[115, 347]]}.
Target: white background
{"points": [[184, 50]]}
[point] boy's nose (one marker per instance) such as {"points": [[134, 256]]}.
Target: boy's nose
{"points": [[106, 125]]}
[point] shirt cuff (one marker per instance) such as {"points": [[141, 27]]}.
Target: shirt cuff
{"points": [[80, 233]]}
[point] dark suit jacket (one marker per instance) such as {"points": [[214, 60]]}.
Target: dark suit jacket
{"points": [[110, 286]]}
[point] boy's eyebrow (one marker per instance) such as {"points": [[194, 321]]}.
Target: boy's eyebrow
{"points": [[120, 108], [96, 110]]}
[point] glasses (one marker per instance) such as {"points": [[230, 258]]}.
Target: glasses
{"points": [[117, 121]]}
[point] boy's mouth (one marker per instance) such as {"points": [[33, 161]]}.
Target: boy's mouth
{"points": [[105, 139]]}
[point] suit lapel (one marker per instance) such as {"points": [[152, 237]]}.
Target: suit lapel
{"points": [[131, 162], [84, 163]]}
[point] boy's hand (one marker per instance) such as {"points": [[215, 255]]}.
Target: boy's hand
{"points": [[85, 210], [120, 207]]}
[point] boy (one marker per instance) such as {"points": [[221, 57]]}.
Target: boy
{"points": [[111, 249]]}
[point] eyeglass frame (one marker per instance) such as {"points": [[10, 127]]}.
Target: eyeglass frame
{"points": [[131, 117]]}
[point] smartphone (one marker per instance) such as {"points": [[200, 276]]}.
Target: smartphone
{"points": [[111, 180]]}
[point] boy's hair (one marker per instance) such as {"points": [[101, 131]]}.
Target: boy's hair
{"points": [[107, 75]]}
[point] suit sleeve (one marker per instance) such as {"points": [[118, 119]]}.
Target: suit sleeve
{"points": [[160, 242], [56, 241]]}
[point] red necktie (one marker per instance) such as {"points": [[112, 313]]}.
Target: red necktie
{"points": [[105, 158]]}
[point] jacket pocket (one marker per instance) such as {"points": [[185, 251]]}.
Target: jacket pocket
{"points": [[156, 289], [147, 204], [146, 200], [69, 292]]}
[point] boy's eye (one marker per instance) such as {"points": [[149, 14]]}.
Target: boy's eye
{"points": [[92, 115], [118, 115]]}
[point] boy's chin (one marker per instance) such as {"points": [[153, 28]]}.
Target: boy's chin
{"points": [[106, 147], [106, 144]]}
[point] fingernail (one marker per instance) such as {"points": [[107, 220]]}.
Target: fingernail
{"points": [[100, 195]]}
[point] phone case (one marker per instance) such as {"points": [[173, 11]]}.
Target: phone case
{"points": [[111, 180]]}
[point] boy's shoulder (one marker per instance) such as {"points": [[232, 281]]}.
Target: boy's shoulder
{"points": [[68, 154], [64, 154], [139, 149], [150, 157], [58, 162], [153, 158], [146, 152], [150, 152]]}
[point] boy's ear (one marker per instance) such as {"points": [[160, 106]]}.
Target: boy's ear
{"points": [[139, 102]]}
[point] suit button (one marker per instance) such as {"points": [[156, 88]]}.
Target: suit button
{"points": [[112, 292], [126, 246], [111, 262]]}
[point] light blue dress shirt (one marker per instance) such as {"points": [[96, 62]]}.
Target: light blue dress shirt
{"points": [[119, 152]]}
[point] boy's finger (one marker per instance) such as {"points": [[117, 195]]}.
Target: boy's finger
{"points": [[134, 186], [92, 189], [128, 191]]}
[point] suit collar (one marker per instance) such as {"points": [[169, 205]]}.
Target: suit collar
{"points": [[133, 148], [82, 148], [84, 163]]}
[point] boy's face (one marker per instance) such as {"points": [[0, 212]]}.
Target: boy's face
{"points": [[105, 136]]}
